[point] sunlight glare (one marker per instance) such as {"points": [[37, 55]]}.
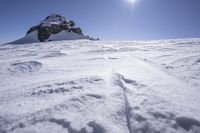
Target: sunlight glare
{"points": [[131, 2]]}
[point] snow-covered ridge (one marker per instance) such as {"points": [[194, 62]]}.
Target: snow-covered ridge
{"points": [[87, 86], [53, 25]]}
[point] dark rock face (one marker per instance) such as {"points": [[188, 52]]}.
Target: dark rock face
{"points": [[54, 24]]}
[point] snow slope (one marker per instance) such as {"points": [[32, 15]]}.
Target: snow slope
{"points": [[29, 38], [100, 87], [66, 36], [33, 37]]}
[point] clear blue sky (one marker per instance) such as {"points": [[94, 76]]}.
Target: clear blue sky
{"points": [[106, 19]]}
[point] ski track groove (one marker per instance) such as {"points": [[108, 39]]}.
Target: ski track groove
{"points": [[126, 101], [120, 82]]}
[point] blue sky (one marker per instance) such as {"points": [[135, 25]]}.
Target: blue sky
{"points": [[106, 19]]}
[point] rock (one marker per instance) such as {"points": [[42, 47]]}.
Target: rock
{"points": [[53, 28], [54, 24]]}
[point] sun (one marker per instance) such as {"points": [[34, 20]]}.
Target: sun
{"points": [[131, 2]]}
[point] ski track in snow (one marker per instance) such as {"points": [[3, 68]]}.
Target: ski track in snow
{"points": [[100, 87]]}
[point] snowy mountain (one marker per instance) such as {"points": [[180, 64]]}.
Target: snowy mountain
{"points": [[85, 86], [53, 28]]}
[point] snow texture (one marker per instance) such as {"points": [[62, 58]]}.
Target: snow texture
{"points": [[100, 87]]}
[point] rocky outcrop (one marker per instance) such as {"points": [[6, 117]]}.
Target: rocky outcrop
{"points": [[53, 28], [54, 24]]}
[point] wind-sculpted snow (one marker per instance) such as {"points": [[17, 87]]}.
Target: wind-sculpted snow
{"points": [[100, 87], [25, 67]]}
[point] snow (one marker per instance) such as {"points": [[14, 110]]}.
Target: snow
{"points": [[33, 37], [66, 36], [54, 18], [49, 24], [84, 86], [29, 38]]}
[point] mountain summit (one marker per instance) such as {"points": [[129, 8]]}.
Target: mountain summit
{"points": [[53, 28]]}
